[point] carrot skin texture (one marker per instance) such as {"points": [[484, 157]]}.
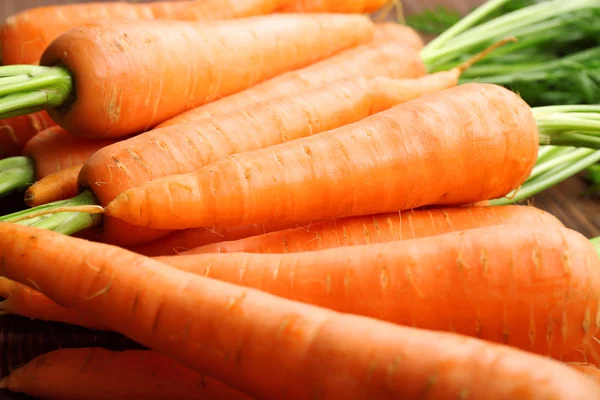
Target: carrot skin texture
{"points": [[387, 57], [60, 185], [361, 6], [193, 63], [16, 131], [512, 293], [589, 370], [24, 301], [381, 228], [187, 239], [386, 31], [474, 142], [25, 36], [99, 374], [306, 351], [54, 149]]}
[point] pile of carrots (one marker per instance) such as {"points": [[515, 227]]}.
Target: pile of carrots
{"points": [[278, 201]]}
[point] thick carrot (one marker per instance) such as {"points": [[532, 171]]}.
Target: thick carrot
{"points": [[240, 336], [590, 370], [59, 185], [21, 300], [381, 228], [589, 353], [387, 57], [158, 69], [398, 32], [461, 145], [25, 36], [465, 282], [99, 374], [187, 239], [361, 6], [16, 131]]}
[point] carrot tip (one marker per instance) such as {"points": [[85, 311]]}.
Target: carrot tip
{"points": [[3, 383]]}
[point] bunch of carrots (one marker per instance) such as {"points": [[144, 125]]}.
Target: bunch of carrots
{"points": [[284, 189]]}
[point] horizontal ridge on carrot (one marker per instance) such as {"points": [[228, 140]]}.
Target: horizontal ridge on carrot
{"points": [[99, 374], [456, 146], [381, 228], [159, 69], [306, 351], [15, 132]]}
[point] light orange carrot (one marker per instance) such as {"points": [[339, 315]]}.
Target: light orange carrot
{"points": [[381, 228], [386, 57], [399, 33], [60, 185], [240, 336], [590, 370], [461, 145], [24, 301], [99, 374], [16, 131]]}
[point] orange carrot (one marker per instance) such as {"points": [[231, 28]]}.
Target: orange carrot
{"points": [[361, 6], [590, 370], [16, 131], [589, 353], [386, 57], [99, 374], [187, 239], [54, 149], [59, 185], [240, 336], [21, 300], [475, 142], [381, 228], [455, 282], [398, 32], [25, 36]]}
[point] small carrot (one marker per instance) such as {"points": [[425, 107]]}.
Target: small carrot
{"points": [[49, 151], [21, 300], [240, 336], [99, 374], [475, 142], [381, 228], [176, 65], [16, 131], [59, 185]]}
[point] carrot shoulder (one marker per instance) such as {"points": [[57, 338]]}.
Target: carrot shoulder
{"points": [[474, 142], [381, 228], [99, 374], [239, 335]]}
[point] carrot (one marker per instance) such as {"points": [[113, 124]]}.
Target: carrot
{"points": [[474, 142], [21, 300], [59, 185], [99, 374], [398, 32], [590, 370], [187, 239], [176, 65], [188, 146], [589, 353], [362, 6], [381, 228], [386, 57], [49, 151], [16, 131], [240, 336], [25, 36]]}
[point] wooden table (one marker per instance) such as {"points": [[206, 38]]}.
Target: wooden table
{"points": [[565, 200]]}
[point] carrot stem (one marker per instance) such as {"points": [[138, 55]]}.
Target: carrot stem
{"points": [[56, 216], [16, 173], [24, 91]]}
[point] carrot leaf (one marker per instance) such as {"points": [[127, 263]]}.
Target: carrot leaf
{"points": [[49, 216], [24, 90], [16, 173]]}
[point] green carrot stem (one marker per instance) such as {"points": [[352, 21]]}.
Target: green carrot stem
{"points": [[23, 90], [464, 24], [16, 173], [596, 242], [550, 178], [568, 156], [57, 217]]}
